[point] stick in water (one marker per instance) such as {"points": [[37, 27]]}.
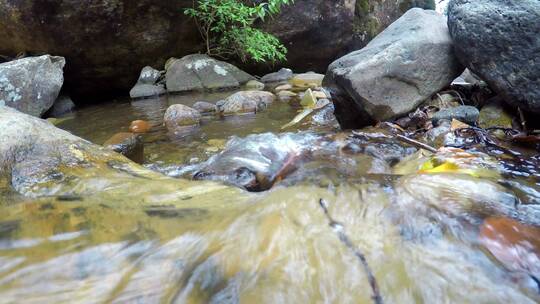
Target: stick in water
{"points": [[339, 229], [415, 143]]}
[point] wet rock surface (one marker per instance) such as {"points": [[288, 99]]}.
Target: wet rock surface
{"points": [[180, 116], [200, 72], [404, 65], [31, 85], [498, 40]]}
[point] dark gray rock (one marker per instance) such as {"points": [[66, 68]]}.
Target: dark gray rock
{"points": [[32, 84], [141, 90], [499, 40], [62, 106], [466, 114], [399, 69], [203, 73], [279, 76]]}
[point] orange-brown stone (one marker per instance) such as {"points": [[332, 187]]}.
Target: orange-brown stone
{"points": [[139, 126]]}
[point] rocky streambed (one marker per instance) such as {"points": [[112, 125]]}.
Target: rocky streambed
{"points": [[387, 180], [447, 225]]}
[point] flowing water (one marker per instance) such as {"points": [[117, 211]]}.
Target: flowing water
{"points": [[340, 206]]}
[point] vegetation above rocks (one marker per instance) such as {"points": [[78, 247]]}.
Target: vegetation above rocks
{"points": [[226, 27]]}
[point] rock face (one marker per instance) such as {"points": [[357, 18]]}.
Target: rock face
{"points": [[105, 42], [31, 85], [499, 40], [109, 41], [408, 62], [202, 73]]}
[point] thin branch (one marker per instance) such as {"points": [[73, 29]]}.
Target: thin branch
{"points": [[415, 143], [339, 229]]}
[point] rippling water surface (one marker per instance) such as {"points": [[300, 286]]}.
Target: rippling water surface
{"points": [[467, 235]]}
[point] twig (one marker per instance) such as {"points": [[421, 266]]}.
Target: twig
{"points": [[339, 229], [415, 143]]}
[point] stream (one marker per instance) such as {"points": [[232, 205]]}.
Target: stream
{"points": [[299, 212]]}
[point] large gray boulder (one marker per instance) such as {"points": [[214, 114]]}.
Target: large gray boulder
{"points": [[199, 72], [31, 85], [404, 65], [499, 40]]}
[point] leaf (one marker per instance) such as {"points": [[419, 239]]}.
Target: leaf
{"points": [[308, 101], [298, 118], [456, 125], [429, 167]]}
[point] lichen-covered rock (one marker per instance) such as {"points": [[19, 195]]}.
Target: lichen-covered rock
{"points": [[128, 144], [149, 75], [32, 84], [408, 62], [179, 116], [247, 102], [283, 74], [499, 41], [203, 73]]}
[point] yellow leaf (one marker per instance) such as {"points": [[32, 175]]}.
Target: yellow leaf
{"points": [[308, 101], [445, 167], [298, 118]]}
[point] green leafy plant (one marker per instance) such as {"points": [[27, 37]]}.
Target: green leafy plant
{"points": [[227, 28]]}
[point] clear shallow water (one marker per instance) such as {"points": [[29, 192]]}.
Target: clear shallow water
{"points": [[420, 231]]}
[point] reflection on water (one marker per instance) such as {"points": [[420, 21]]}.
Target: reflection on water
{"points": [[422, 230]]}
